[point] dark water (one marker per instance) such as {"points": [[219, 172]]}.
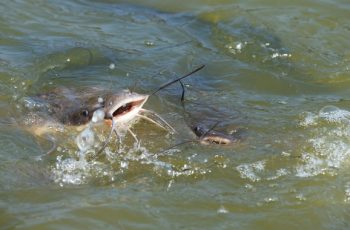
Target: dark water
{"points": [[277, 71]]}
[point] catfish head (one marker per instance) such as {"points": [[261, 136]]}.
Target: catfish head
{"points": [[123, 107]]}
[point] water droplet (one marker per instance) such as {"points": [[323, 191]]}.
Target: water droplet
{"points": [[112, 66], [85, 139], [149, 43], [249, 187], [285, 154], [271, 199], [98, 116], [124, 164], [222, 210], [300, 197]]}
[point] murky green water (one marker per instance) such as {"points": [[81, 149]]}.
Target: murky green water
{"points": [[278, 71]]}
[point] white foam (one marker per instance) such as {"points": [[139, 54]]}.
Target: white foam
{"points": [[279, 173], [250, 171], [347, 193], [309, 119], [334, 114], [312, 166], [330, 144], [222, 210], [237, 47], [282, 55], [71, 171]]}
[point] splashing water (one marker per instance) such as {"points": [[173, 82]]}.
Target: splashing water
{"points": [[78, 171], [334, 114], [69, 170], [85, 140], [98, 115], [82, 169], [250, 171], [330, 144]]}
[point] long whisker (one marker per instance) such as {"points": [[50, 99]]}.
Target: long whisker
{"points": [[151, 120], [183, 91], [178, 144], [108, 138], [209, 130], [53, 148], [119, 139], [159, 117], [178, 79], [134, 136]]}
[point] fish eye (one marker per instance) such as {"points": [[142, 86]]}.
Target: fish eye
{"points": [[85, 113]]}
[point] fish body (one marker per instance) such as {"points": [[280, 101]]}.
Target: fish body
{"points": [[63, 107]]}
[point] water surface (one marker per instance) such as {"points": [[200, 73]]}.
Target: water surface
{"points": [[277, 71]]}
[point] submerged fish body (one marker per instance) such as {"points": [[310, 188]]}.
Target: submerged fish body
{"points": [[58, 108], [69, 107]]}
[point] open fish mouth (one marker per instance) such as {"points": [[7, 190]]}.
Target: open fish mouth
{"points": [[128, 107], [125, 106]]}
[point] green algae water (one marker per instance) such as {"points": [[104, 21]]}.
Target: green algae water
{"points": [[278, 72]]}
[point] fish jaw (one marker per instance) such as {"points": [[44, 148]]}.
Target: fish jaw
{"points": [[122, 108]]}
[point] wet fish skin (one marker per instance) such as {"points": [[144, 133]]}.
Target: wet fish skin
{"points": [[207, 136]]}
